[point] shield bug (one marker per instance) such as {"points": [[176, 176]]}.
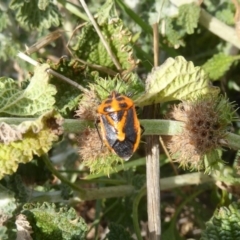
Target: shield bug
{"points": [[120, 127]]}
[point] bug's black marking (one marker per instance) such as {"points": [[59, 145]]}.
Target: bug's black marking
{"points": [[108, 101], [123, 105], [120, 98], [117, 94], [129, 129], [123, 149], [111, 132]]}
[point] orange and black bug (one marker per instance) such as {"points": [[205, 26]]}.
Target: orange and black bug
{"points": [[120, 127]]}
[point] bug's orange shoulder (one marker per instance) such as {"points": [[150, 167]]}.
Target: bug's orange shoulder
{"points": [[115, 102]]}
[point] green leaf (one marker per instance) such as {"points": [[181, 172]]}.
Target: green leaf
{"points": [[146, 28], [8, 47], [175, 79], [33, 100], [43, 4], [188, 17], [174, 35], [37, 139], [36, 14], [51, 222], [218, 65], [226, 15], [3, 20], [90, 48], [105, 11], [224, 224], [67, 96]]}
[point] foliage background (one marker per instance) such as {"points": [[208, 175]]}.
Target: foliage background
{"points": [[183, 32]]}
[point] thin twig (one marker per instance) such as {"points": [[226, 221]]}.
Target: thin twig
{"points": [[54, 73], [73, 33], [156, 44], [68, 80], [105, 43], [44, 41], [152, 162], [28, 59], [98, 67], [94, 66], [168, 155]]}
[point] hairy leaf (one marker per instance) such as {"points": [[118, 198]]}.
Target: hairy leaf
{"points": [[34, 100], [51, 222], [188, 16], [218, 65], [90, 48], [43, 4], [224, 224], [37, 138], [67, 96], [173, 35], [36, 14], [175, 79]]}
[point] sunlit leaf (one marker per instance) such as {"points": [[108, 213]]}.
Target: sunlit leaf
{"points": [[218, 65], [188, 16], [224, 224], [33, 100], [37, 139], [175, 79], [36, 14]]}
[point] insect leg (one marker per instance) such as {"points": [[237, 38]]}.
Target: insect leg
{"points": [[97, 121]]}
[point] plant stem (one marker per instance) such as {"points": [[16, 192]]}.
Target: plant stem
{"points": [[54, 73], [136, 201], [74, 9], [184, 180], [153, 127], [49, 165], [105, 192], [152, 160], [123, 190]]}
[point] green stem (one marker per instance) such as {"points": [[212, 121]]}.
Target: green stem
{"points": [[106, 192], [152, 127], [136, 201], [179, 209], [49, 165], [122, 190], [184, 180], [74, 9]]}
